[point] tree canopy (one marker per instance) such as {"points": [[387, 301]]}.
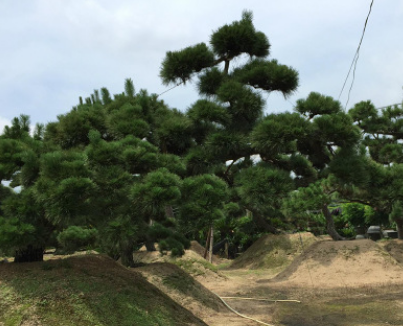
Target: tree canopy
{"points": [[117, 172]]}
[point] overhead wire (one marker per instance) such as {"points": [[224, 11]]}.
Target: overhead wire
{"points": [[355, 59], [169, 89]]}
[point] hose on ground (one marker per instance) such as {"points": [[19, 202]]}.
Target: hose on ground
{"points": [[255, 299], [239, 314]]}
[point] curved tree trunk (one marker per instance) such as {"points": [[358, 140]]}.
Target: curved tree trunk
{"points": [[127, 254], [330, 224], [262, 223], [399, 226], [28, 254]]}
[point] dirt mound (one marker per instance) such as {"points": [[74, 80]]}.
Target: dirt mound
{"points": [[84, 290], [199, 249], [394, 248], [191, 262], [329, 264], [182, 288], [274, 251]]}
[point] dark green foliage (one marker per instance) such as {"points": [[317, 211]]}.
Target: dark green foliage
{"points": [[127, 121], [24, 223], [73, 127], [363, 111], [10, 157], [350, 166], [169, 240], [19, 128], [76, 237], [106, 97], [268, 75], [317, 104], [261, 187], [69, 201], [171, 244], [104, 166], [240, 37], [39, 131], [245, 105], [174, 134], [227, 145], [180, 65], [157, 189], [203, 197], [129, 88], [205, 110], [279, 133], [221, 124], [356, 213], [14, 233], [337, 128], [210, 80]]}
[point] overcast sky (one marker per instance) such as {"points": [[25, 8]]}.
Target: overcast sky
{"points": [[53, 51]]}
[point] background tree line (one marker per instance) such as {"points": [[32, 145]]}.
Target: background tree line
{"points": [[120, 171]]}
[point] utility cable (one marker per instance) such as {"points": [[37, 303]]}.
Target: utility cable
{"points": [[355, 59], [258, 299], [169, 89], [239, 314], [388, 106]]}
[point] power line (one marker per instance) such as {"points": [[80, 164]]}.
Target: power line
{"points": [[178, 84], [388, 106], [355, 59]]}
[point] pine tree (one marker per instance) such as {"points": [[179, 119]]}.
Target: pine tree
{"points": [[382, 133], [231, 104]]}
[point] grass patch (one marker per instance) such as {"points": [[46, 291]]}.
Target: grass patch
{"points": [[60, 293], [341, 313], [195, 267]]}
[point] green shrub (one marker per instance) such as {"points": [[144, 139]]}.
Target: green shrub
{"points": [[173, 245], [77, 237]]}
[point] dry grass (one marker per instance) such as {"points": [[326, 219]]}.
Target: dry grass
{"points": [[274, 251]]}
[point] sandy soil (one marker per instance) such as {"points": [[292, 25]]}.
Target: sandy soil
{"points": [[324, 272], [330, 264]]}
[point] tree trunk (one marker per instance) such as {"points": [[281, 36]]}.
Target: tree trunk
{"points": [[399, 226], [207, 243], [226, 67], [150, 243], [169, 211], [127, 254], [210, 258], [29, 254], [226, 250], [262, 223], [330, 224]]}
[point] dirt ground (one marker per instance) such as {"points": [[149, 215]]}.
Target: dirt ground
{"points": [[344, 283], [355, 283]]}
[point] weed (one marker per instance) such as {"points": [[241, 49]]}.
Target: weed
{"points": [[106, 294], [46, 266]]}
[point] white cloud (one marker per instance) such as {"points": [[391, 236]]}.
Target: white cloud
{"points": [[55, 51], [3, 122]]}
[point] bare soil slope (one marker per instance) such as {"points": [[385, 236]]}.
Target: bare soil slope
{"points": [[183, 288], [394, 248], [330, 264], [199, 249], [274, 251], [192, 261]]}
